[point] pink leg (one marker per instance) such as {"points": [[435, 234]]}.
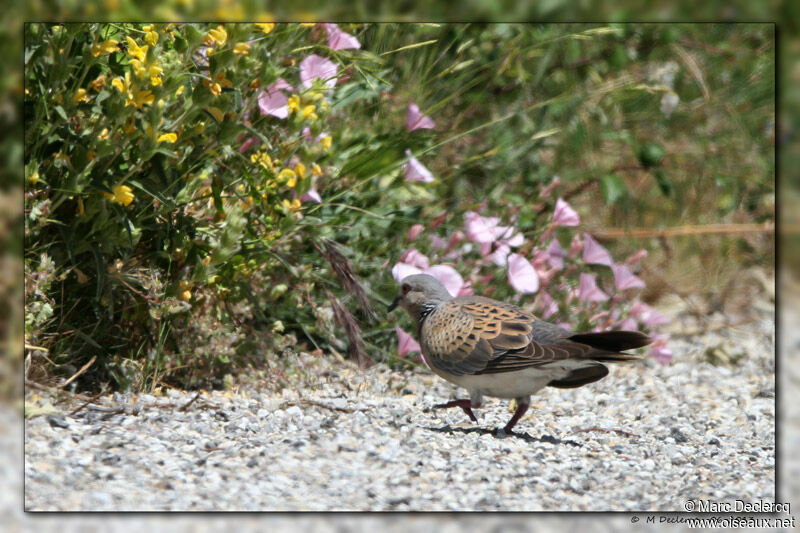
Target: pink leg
{"points": [[466, 405], [521, 408]]}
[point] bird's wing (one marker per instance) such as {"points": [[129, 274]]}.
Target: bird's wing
{"points": [[476, 335]]}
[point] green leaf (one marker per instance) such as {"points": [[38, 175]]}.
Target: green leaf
{"points": [[613, 188], [666, 186]]}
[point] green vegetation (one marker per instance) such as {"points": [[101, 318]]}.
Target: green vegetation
{"points": [[203, 200]]}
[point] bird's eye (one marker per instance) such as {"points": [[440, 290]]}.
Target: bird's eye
{"points": [[406, 288]]}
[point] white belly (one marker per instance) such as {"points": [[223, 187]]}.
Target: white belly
{"points": [[515, 384]]}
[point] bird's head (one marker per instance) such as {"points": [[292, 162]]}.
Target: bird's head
{"points": [[419, 291]]}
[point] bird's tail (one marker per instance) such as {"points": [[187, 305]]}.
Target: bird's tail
{"points": [[610, 344]]}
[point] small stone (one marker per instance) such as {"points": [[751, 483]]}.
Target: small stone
{"points": [[678, 435], [714, 441], [57, 421]]}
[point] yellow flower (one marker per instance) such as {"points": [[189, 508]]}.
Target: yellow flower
{"points": [[179, 91], [186, 295], [139, 52], [199, 127], [167, 137], [294, 103], [216, 90], [122, 84], [140, 98], [103, 135], [123, 195], [33, 178], [242, 49], [308, 112], [155, 74], [314, 96], [307, 24], [218, 35], [326, 142], [316, 170], [151, 38], [300, 170], [265, 27], [148, 28], [80, 96], [288, 176], [294, 205], [106, 47], [138, 68]]}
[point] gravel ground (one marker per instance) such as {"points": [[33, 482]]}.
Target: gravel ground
{"points": [[647, 438]]}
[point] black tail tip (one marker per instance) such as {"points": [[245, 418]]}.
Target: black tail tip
{"points": [[614, 341]]}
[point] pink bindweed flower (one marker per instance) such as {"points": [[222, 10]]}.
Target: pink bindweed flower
{"points": [[629, 324], [311, 196], [316, 67], [414, 231], [588, 290], [659, 349], [449, 277], [646, 315], [466, 290], [252, 141], [635, 258], [575, 247], [402, 270], [438, 243], [594, 253], [272, 100], [564, 215], [500, 255], [548, 305], [479, 229], [406, 344], [415, 171], [416, 258], [340, 40], [625, 279], [555, 255], [521, 274], [415, 120], [545, 192]]}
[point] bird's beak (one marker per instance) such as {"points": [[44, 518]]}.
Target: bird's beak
{"points": [[393, 305]]}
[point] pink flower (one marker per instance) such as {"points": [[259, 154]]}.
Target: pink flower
{"points": [[479, 229], [402, 270], [521, 274], [500, 255], [629, 324], [340, 40], [415, 258], [272, 101], [449, 277], [438, 243], [248, 143], [466, 290], [564, 215], [555, 254], [311, 196], [316, 67], [575, 247], [635, 258], [588, 290], [647, 315], [545, 192], [594, 253], [414, 231], [406, 344], [624, 278], [415, 171], [415, 120], [548, 306], [660, 351]]}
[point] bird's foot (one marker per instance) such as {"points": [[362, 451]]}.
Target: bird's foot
{"points": [[466, 405]]}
